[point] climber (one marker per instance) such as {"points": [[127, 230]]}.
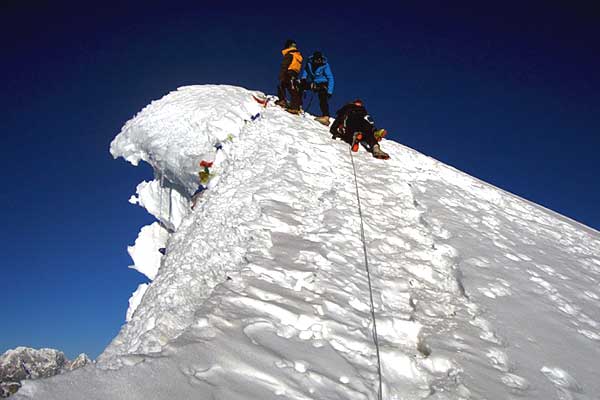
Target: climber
{"points": [[288, 78], [317, 77], [354, 125]]}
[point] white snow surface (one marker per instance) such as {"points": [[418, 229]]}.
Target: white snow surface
{"points": [[135, 300], [144, 253], [263, 291]]}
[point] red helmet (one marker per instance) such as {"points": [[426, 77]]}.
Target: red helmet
{"points": [[358, 102]]}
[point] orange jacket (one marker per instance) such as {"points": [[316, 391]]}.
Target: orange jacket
{"points": [[292, 60]]}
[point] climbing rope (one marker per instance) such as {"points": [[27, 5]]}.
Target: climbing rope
{"points": [[362, 237]]}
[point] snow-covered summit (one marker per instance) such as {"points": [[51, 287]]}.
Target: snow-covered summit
{"points": [[262, 291]]}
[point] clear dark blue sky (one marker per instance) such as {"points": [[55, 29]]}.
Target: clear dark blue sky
{"points": [[506, 92]]}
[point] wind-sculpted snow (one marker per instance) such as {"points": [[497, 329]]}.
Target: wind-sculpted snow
{"points": [[174, 134], [171, 134], [263, 293]]}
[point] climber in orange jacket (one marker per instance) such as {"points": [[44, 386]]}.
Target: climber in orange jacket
{"points": [[288, 78]]}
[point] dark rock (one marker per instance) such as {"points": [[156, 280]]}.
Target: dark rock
{"points": [[27, 363]]}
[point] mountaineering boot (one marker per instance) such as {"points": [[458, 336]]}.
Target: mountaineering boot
{"points": [[323, 120], [295, 111], [356, 140], [378, 153], [379, 134], [282, 103]]}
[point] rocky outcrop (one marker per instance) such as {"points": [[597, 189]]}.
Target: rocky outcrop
{"points": [[23, 363], [80, 361]]}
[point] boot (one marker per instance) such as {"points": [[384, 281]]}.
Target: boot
{"points": [[378, 153], [323, 120], [356, 140], [379, 134], [282, 103], [295, 111]]}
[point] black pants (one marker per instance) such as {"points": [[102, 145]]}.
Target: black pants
{"points": [[323, 100], [290, 83], [346, 127], [321, 90]]}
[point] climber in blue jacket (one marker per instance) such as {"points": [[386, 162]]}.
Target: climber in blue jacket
{"points": [[317, 77]]}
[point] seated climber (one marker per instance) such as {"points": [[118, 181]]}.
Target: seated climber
{"points": [[354, 125]]}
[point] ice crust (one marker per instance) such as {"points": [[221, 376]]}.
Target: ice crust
{"points": [[262, 291]]}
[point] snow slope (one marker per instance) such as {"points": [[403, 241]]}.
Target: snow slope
{"points": [[263, 292]]}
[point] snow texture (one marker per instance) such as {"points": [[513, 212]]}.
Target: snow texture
{"points": [[262, 291], [135, 300], [144, 253]]}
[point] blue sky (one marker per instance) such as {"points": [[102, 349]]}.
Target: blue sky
{"points": [[507, 93]]}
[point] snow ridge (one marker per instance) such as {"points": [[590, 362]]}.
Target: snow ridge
{"points": [[262, 292]]}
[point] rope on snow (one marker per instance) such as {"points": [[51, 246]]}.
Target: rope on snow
{"points": [[362, 237]]}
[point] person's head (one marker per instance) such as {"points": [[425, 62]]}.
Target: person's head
{"points": [[289, 44], [317, 58], [358, 103]]}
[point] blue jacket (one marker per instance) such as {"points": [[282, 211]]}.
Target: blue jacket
{"points": [[322, 74]]}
